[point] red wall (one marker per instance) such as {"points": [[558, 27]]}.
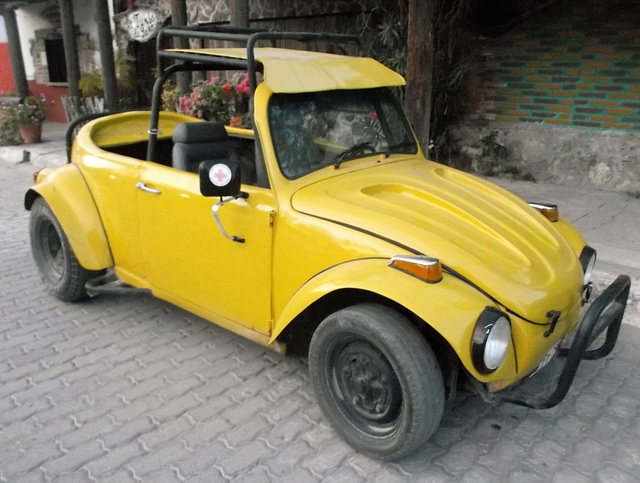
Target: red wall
{"points": [[6, 77], [56, 111]]}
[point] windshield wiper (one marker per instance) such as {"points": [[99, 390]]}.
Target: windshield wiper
{"points": [[354, 151]]}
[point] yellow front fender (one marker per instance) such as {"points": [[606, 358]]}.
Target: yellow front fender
{"points": [[572, 235], [68, 196], [451, 307]]}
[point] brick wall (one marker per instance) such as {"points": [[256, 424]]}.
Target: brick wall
{"points": [[576, 64]]}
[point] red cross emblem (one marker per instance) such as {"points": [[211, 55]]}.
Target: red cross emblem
{"points": [[220, 175]]}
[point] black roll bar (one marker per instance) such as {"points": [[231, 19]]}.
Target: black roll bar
{"points": [[194, 61], [249, 37], [297, 36], [70, 134]]}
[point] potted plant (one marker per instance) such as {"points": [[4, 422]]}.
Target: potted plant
{"points": [[30, 115], [225, 101]]}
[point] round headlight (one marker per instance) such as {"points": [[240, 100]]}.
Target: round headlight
{"points": [[491, 339], [588, 261], [497, 345]]}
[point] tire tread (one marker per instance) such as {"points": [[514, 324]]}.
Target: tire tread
{"points": [[422, 377]]}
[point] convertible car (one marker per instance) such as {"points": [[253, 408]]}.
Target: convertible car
{"points": [[321, 230]]}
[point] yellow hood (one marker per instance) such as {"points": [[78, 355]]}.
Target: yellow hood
{"points": [[483, 232]]}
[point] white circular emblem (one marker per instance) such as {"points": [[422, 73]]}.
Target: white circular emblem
{"points": [[220, 175]]}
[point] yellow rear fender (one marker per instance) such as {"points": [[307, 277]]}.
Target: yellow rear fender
{"points": [[68, 196], [450, 307]]}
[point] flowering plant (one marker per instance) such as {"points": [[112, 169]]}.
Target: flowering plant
{"points": [[226, 101], [9, 132], [31, 110]]}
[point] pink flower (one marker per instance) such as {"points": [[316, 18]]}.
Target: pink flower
{"points": [[243, 87]]}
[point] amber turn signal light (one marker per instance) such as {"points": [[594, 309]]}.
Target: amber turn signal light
{"points": [[426, 269], [549, 211], [38, 176]]}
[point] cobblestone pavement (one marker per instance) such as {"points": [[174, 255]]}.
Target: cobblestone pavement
{"points": [[129, 389]]}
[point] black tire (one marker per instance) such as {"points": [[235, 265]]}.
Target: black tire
{"points": [[376, 380], [57, 263]]}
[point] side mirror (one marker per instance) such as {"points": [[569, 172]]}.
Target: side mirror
{"points": [[220, 178]]}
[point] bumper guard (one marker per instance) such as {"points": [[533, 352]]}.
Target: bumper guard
{"points": [[605, 313]]}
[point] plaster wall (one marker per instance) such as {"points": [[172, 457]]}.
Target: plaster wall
{"points": [[3, 31], [29, 20], [558, 98], [84, 17], [572, 156]]}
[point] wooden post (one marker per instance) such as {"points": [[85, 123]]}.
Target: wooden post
{"points": [[420, 68], [107, 62], [239, 13], [70, 48], [179, 18], [15, 53]]}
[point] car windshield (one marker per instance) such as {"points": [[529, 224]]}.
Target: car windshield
{"points": [[313, 130]]}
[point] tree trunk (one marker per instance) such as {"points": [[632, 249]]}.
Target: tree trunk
{"points": [[179, 18], [107, 61], [420, 68], [70, 47], [15, 53]]}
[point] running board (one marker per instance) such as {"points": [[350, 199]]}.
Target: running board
{"points": [[111, 285]]}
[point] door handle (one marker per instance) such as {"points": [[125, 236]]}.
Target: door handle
{"points": [[143, 187]]}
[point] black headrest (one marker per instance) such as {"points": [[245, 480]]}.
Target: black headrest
{"points": [[199, 132]]}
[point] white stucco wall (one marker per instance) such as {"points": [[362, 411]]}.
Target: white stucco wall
{"points": [[3, 31], [84, 16], [29, 20]]}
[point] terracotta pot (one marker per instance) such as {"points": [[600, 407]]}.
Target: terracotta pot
{"points": [[31, 133]]}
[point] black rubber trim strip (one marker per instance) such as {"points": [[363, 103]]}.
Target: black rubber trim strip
{"points": [[446, 268], [461, 277]]}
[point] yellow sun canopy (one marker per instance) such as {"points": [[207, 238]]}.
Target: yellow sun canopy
{"points": [[297, 71]]}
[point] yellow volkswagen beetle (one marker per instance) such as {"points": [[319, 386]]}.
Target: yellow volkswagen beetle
{"points": [[324, 231]]}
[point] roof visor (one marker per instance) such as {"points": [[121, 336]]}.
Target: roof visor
{"points": [[296, 71]]}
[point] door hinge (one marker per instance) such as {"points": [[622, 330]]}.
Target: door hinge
{"points": [[272, 219]]}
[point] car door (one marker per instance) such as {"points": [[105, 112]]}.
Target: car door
{"points": [[187, 259]]}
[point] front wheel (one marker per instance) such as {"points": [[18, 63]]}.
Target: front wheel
{"points": [[377, 380], [58, 265]]}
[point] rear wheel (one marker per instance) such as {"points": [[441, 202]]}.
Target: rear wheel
{"points": [[377, 380], [54, 257]]}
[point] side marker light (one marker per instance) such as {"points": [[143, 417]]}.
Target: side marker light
{"points": [[549, 211], [424, 268]]}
